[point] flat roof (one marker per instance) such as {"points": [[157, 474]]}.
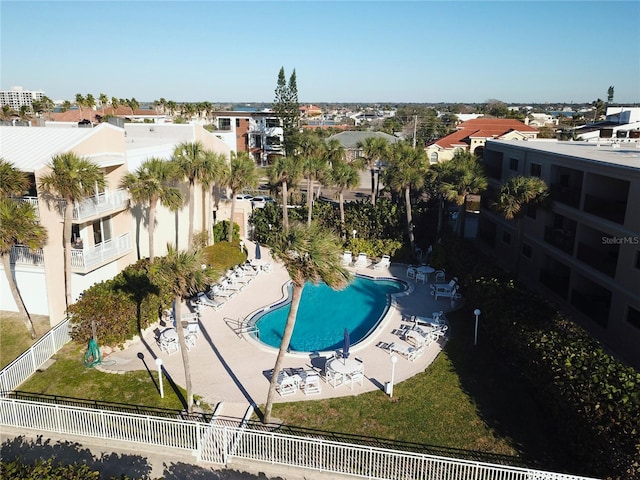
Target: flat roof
{"points": [[622, 154]]}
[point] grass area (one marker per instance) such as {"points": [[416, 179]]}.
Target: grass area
{"points": [[467, 399], [14, 337]]}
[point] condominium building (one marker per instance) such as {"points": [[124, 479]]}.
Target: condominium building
{"points": [[102, 239], [584, 251], [16, 97]]}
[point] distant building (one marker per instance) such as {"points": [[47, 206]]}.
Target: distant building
{"points": [[584, 252], [472, 135], [16, 97]]}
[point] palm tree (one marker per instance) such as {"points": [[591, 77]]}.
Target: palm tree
{"points": [[183, 270], [171, 105], [103, 101], [150, 185], [464, 176], [515, 195], [89, 102], [310, 254], [374, 150], [189, 159], [66, 105], [436, 174], [20, 225], [80, 103], [242, 174], [405, 172], [214, 171], [115, 103], [133, 105], [73, 178], [313, 168], [344, 177], [284, 171]]}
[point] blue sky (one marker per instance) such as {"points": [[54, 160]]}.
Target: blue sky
{"points": [[382, 51]]}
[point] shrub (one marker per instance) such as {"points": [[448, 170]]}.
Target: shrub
{"points": [[224, 255], [221, 231]]}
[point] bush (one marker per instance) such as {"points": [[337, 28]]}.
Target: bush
{"points": [[221, 231], [224, 255]]}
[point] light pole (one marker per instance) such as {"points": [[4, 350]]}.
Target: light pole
{"points": [[354, 233], [476, 312], [394, 359], [159, 364], [241, 245]]}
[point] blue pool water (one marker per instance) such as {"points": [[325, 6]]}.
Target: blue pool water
{"points": [[324, 314]]}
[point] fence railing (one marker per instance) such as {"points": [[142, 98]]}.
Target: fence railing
{"points": [[87, 258], [24, 255], [220, 443], [98, 205], [26, 364]]}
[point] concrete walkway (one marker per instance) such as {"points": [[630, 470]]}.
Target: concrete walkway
{"points": [[232, 368]]}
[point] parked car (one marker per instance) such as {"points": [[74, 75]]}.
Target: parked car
{"points": [[261, 201], [243, 196]]}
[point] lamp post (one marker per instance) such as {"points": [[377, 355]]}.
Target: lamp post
{"points": [[159, 364], [354, 233], [241, 245], [394, 359], [476, 312]]}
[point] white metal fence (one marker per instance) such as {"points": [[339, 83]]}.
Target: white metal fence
{"points": [[26, 364], [221, 443], [83, 259]]}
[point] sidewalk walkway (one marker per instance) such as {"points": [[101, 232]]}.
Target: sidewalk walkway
{"points": [[231, 368]]}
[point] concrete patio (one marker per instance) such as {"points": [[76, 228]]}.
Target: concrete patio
{"points": [[231, 368]]}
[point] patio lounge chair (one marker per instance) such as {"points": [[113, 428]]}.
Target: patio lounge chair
{"points": [[347, 258], [286, 384], [417, 338], [362, 260], [410, 353], [384, 262], [221, 291], [311, 383], [445, 292], [204, 300]]}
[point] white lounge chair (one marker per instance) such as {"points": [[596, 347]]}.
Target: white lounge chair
{"points": [[410, 353], [347, 258], [311, 383], [205, 301], [445, 292], [362, 260], [384, 262], [415, 338], [286, 385]]}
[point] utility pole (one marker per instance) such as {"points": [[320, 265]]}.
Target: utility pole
{"points": [[415, 129]]}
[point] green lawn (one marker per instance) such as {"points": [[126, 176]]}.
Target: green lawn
{"points": [[14, 338], [466, 399]]}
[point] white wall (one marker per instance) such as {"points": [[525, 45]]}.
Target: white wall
{"points": [[32, 286]]}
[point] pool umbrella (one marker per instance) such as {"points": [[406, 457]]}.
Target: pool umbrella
{"points": [[258, 254], [345, 344]]}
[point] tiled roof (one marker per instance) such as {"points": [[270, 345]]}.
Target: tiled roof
{"points": [[482, 128], [351, 139], [87, 114]]}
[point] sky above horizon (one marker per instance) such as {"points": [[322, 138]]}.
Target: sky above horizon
{"points": [[357, 51]]}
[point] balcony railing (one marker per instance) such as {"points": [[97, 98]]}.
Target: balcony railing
{"points": [[33, 201], [566, 195], [605, 208], [25, 256], [99, 205], [88, 258]]}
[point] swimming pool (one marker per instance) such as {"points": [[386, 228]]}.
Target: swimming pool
{"points": [[324, 314]]}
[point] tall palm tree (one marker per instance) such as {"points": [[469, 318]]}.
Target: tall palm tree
{"points": [[374, 150], [464, 176], [183, 270], [242, 174], [515, 195], [310, 254], [344, 177], [73, 178], [189, 160], [284, 171], [171, 105], [133, 105], [150, 185], [80, 103], [115, 103], [313, 168], [20, 225], [89, 102], [103, 101], [405, 172], [214, 172], [436, 174]]}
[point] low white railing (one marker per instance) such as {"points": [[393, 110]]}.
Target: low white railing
{"points": [[87, 258], [98, 205], [26, 364], [33, 201], [24, 255]]}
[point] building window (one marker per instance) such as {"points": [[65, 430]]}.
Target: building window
{"points": [[237, 123], [513, 164], [527, 251], [506, 238], [224, 123], [101, 231], [633, 317], [536, 170], [434, 157]]}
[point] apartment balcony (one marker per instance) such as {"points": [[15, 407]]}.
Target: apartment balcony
{"points": [[560, 239], [33, 201], [612, 210], [604, 260], [493, 171], [566, 195], [87, 259], [21, 255], [100, 205]]}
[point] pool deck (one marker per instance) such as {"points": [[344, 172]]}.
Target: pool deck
{"points": [[231, 368]]}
